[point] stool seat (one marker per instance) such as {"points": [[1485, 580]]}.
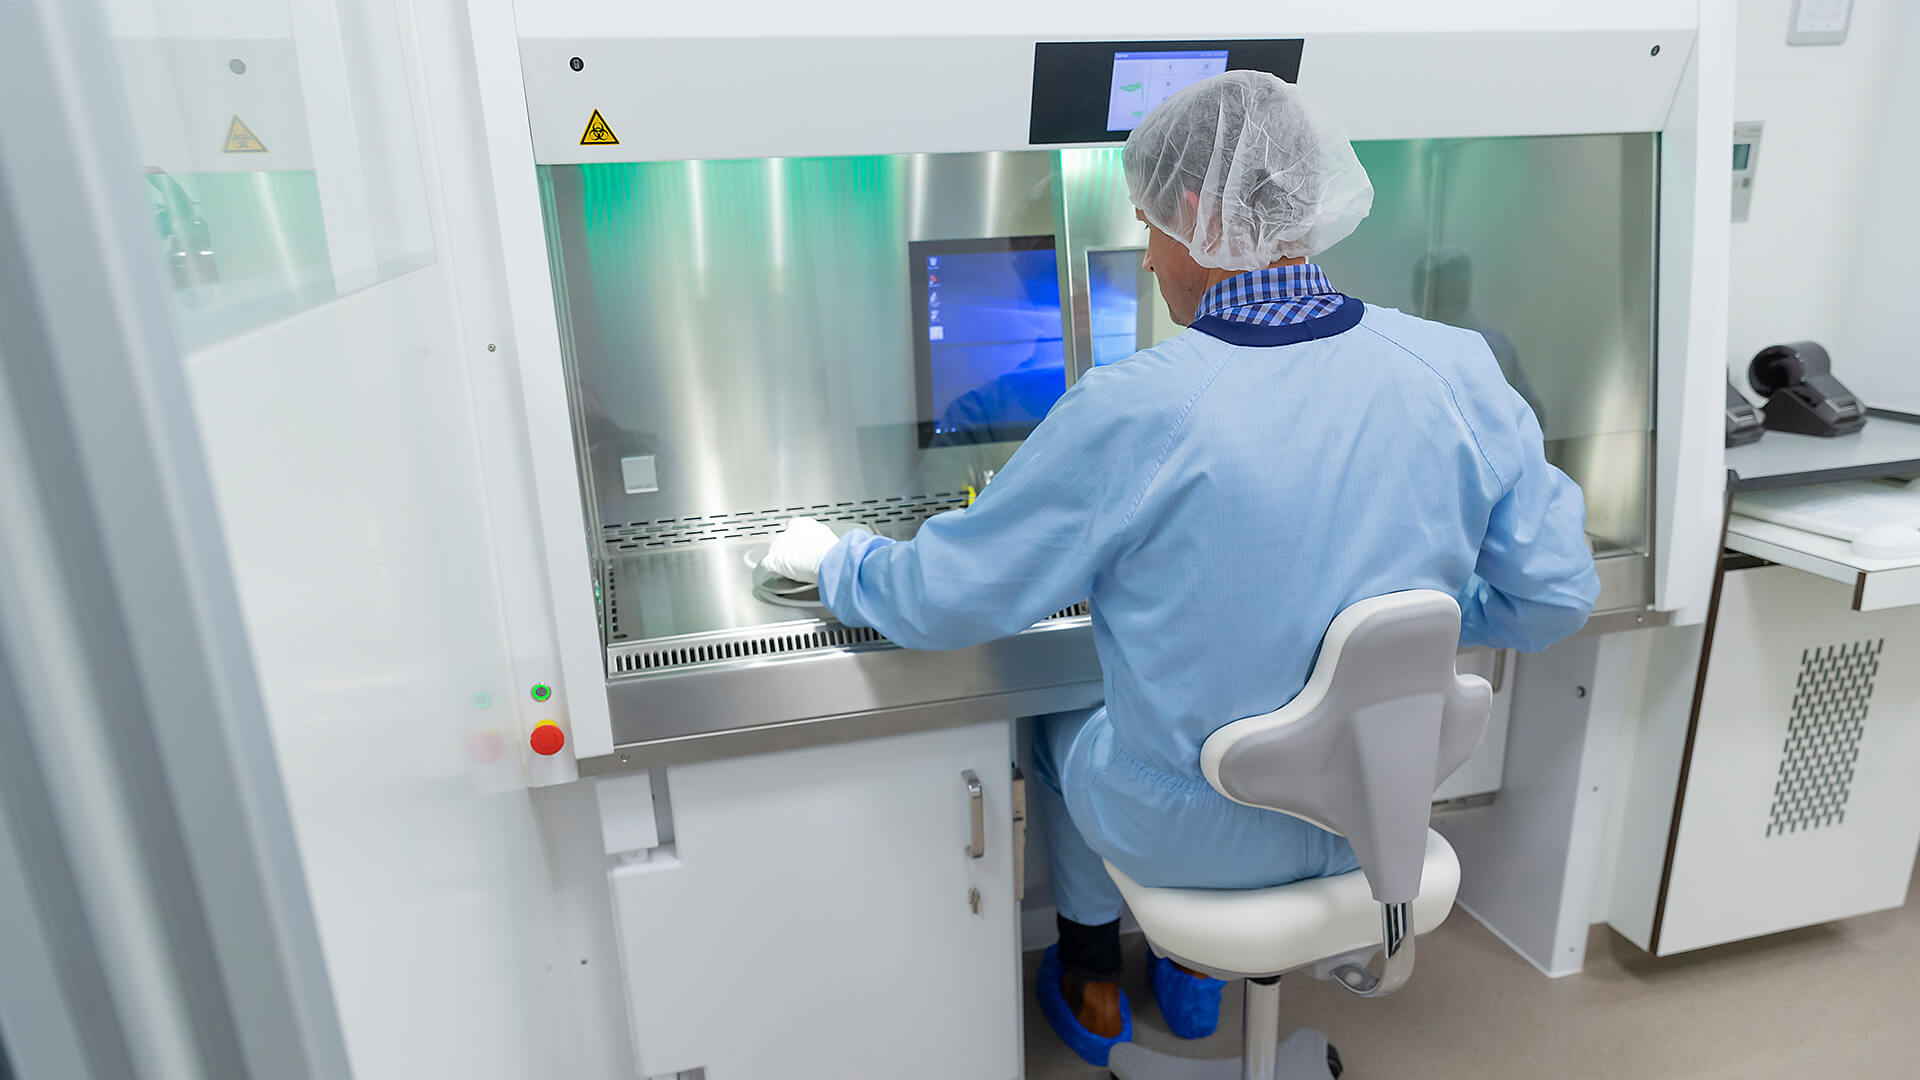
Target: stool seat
{"points": [[1255, 933]]}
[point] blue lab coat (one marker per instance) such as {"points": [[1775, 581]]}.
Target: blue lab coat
{"points": [[1219, 498]]}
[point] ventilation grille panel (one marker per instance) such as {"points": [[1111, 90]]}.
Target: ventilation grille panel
{"points": [[674, 654], [610, 600], [885, 515], [1823, 736], [763, 641]]}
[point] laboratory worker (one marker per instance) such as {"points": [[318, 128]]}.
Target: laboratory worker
{"points": [[1219, 498]]}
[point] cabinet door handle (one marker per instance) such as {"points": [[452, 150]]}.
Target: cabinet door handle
{"points": [[1019, 800], [977, 806], [1499, 679]]}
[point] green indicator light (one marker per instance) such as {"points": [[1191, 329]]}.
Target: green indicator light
{"points": [[541, 691], [482, 699]]}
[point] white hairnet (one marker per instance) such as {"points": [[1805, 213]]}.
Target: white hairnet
{"points": [[1274, 177]]}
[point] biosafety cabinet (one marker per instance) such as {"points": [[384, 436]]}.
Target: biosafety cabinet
{"points": [[758, 271]]}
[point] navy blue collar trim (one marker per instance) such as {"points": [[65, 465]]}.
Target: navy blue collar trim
{"points": [[1339, 321]]}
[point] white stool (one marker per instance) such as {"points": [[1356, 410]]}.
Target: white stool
{"points": [[1383, 721]]}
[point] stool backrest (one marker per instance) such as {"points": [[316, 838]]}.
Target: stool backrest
{"points": [[1382, 722]]}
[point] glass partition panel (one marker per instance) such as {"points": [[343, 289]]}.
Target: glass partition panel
{"points": [[278, 170], [1545, 246]]}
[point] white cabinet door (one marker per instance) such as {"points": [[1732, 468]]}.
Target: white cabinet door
{"points": [[1799, 803], [812, 917]]}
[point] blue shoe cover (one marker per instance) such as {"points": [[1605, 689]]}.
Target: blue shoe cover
{"points": [[1190, 1006], [1093, 1049]]}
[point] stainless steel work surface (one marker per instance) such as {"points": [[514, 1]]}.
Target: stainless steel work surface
{"points": [[796, 682], [694, 575], [696, 604], [685, 591], [830, 695]]}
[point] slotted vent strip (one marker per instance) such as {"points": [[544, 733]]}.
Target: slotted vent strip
{"points": [[751, 643], [679, 532], [1831, 698], [673, 655], [610, 596]]}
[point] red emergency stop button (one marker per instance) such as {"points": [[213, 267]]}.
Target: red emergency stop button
{"points": [[547, 738]]}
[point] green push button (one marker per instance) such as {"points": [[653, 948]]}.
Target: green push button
{"points": [[541, 691]]}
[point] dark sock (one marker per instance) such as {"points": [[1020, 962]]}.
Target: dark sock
{"points": [[1090, 952]]}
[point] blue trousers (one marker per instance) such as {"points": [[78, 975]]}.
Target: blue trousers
{"points": [[1096, 801]]}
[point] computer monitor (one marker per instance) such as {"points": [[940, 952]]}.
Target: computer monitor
{"points": [[988, 342]]}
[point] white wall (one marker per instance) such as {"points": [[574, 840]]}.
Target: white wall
{"points": [[1826, 115], [1882, 357]]}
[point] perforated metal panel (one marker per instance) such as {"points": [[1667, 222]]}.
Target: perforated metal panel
{"points": [[884, 516], [1798, 806], [761, 641], [674, 654], [1830, 705]]}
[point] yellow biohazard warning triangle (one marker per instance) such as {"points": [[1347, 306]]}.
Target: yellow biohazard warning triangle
{"points": [[598, 133], [242, 140]]}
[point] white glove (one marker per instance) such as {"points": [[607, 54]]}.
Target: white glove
{"points": [[797, 553]]}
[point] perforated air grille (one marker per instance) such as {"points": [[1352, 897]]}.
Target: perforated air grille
{"points": [[610, 597], [666, 653], [1823, 736], [879, 514], [671, 654]]}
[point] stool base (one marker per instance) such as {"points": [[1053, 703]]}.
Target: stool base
{"points": [[1303, 1056]]}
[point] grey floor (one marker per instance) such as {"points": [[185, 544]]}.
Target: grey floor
{"points": [[1841, 1000]]}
